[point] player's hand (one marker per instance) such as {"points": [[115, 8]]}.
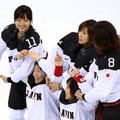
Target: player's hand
{"points": [[58, 60], [4, 78], [22, 54], [74, 71], [34, 55], [54, 86], [79, 94]]}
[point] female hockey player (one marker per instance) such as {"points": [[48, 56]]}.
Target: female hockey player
{"points": [[85, 51], [70, 107], [76, 48], [41, 103], [14, 38], [106, 70]]}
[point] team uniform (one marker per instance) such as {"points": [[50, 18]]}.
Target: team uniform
{"points": [[80, 55], [69, 44], [19, 69], [41, 103], [65, 47], [106, 88], [69, 48], [73, 53], [75, 110]]}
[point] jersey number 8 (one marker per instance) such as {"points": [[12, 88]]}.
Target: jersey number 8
{"points": [[111, 62]]}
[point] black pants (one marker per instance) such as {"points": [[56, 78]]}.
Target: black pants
{"points": [[111, 112], [17, 96]]}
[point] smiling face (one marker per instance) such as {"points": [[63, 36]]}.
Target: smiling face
{"points": [[22, 19], [83, 36], [22, 24], [38, 74]]}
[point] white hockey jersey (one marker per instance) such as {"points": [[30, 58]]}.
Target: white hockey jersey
{"points": [[106, 80], [20, 69], [76, 110], [41, 103]]}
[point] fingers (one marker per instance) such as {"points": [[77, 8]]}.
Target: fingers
{"points": [[24, 52], [4, 78], [58, 60], [58, 56], [79, 94], [53, 86], [74, 71]]}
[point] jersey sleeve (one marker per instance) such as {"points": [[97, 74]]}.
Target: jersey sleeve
{"points": [[26, 66], [85, 87], [47, 67], [64, 84], [25, 69], [52, 54], [83, 72], [105, 87]]}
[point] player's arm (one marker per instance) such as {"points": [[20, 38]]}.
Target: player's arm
{"points": [[26, 67], [2, 47], [102, 89], [58, 71], [82, 82], [6, 79]]}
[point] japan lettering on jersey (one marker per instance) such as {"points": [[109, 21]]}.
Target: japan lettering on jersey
{"points": [[68, 111], [41, 103]]}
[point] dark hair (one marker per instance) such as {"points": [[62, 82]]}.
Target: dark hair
{"points": [[23, 11], [72, 84], [88, 24], [105, 37], [36, 63]]}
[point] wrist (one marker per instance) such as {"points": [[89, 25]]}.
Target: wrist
{"points": [[79, 78], [58, 71], [38, 58]]}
